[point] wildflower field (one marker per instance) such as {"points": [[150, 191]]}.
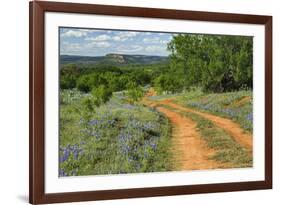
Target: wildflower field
{"points": [[117, 138]]}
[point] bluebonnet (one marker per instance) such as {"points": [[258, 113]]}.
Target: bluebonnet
{"points": [[62, 173], [229, 112], [249, 117], [129, 106], [153, 146], [65, 152]]}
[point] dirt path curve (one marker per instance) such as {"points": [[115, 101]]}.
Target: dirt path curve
{"points": [[243, 138], [190, 151]]}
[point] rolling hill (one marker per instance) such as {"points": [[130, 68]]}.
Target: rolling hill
{"points": [[113, 59]]}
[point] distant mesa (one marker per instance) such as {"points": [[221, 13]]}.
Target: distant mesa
{"points": [[116, 58]]}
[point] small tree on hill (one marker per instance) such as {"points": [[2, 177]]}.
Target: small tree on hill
{"points": [[134, 93], [101, 95]]}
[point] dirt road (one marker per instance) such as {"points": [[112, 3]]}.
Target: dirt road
{"points": [[190, 151], [232, 128]]}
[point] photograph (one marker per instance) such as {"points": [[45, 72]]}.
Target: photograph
{"points": [[150, 101]]}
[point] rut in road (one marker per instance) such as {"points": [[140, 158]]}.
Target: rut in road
{"points": [[243, 138], [189, 149]]}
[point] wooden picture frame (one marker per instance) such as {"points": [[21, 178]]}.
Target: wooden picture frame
{"points": [[37, 10]]}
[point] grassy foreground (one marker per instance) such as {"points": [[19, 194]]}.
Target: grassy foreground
{"points": [[115, 138]]}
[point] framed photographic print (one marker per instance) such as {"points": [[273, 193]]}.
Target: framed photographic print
{"points": [[139, 102]]}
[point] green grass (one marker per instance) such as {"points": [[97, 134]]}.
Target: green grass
{"points": [[115, 138], [228, 150], [237, 106]]}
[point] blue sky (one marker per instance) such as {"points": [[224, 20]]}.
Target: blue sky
{"points": [[91, 42]]}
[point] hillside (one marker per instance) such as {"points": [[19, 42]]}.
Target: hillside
{"points": [[113, 59]]}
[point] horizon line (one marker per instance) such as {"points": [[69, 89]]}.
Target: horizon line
{"points": [[112, 53]]}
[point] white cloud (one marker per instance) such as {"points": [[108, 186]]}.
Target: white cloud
{"points": [[151, 40], [79, 48], [121, 36], [124, 35], [100, 41], [79, 32], [75, 33], [130, 49], [155, 40], [70, 48], [103, 37], [102, 44], [154, 48], [118, 38], [128, 34]]}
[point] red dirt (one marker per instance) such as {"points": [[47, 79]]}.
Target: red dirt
{"points": [[232, 128], [190, 151], [243, 101]]}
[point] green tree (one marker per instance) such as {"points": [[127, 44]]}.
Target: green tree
{"points": [[69, 74], [87, 82], [84, 83], [134, 92], [216, 63], [168, 83], [88, 110], [101, 95]]}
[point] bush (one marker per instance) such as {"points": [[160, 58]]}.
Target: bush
{"points": [[67, 82], [101, 95], [168, 83], [134, 93], [83, 83], [88, 109]]}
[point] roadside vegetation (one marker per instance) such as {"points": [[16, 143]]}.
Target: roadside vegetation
{"points": [[236, 105], [114, 138]]}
